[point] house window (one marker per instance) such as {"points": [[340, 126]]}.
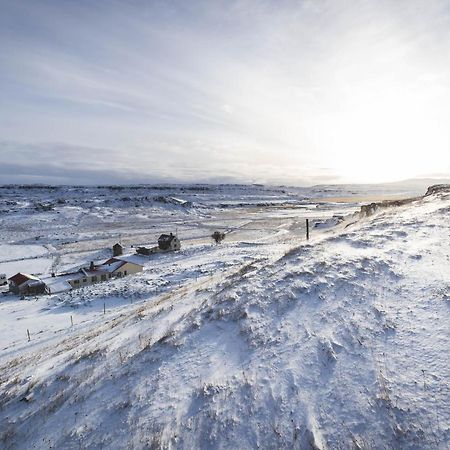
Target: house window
{"points": [[119, 274], [77, 281], [103, 277], [84, 280], [94, 279], [109, 275], [125, 272]]}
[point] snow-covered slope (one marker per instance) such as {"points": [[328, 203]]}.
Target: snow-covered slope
{"points": [[339, 343]]}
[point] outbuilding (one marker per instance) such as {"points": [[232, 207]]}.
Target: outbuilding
{"points": [[117, 249], [26, 284]]}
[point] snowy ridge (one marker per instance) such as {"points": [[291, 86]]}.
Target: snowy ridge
{"points": [[339, 343]]}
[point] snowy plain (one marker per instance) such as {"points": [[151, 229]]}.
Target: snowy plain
{"points": [[264, 341]]}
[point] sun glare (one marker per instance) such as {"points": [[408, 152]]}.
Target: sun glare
{"points": [[383, 136]]}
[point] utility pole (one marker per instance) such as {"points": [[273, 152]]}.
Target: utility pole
{"points": [[307, 229]]}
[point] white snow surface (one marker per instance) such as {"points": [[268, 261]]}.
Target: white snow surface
{"points": [[341, 342]]}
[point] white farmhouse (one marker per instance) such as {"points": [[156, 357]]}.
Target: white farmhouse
{"points": [[112, 268], [116, 267]]}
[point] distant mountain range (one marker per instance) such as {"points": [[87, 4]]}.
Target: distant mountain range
{"points": [[413, 185]]}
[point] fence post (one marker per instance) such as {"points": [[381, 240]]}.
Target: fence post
{"points": [[307, 229], [104, 308], [28, 333], [71, 321]]}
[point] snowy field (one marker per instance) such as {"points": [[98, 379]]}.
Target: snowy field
{"points": [[49, 229], [263, 341]]}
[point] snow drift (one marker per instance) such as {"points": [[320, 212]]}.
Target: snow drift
{"points": [[340, 343]]}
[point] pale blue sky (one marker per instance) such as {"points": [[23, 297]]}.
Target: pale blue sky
{"points": [[250, 91]]}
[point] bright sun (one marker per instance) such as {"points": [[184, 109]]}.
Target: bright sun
{"points": [[386, 135]]}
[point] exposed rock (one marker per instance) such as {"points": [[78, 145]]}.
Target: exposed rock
{"points": [[436, 188]]}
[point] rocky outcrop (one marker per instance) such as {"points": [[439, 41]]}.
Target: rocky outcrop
{"points": [[372, 208], [438, 188]]}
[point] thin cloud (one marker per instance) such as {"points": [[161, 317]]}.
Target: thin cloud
{"points": [[258, 91]]}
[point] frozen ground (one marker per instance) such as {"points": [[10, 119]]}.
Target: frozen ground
{"points": [[265, 341], [47, 229]]}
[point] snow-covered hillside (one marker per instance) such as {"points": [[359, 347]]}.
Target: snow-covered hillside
{"points": [[342, 342]]}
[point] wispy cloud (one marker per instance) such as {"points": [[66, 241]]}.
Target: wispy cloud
{"points": [[249, 90]]}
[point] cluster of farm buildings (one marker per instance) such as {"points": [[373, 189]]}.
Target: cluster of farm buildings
{"points": [[118, 266]]}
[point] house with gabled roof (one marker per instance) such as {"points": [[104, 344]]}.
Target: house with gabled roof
{"points": [[116, 267], [122, 266], [26, 284], [169, 242], [112, 268], [117, 249], [166, 243]]}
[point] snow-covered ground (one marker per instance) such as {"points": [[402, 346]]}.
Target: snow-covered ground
{"points": [[56, 229], [264, 341]]}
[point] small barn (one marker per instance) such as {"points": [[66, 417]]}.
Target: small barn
{"points": [[117, 249], [146, 250], [26, 284], [169, 242]]}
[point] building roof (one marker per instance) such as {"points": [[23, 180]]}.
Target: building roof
{"points": [[97, 270], [32, 283], [84, 273], [166, 237], [20, 278], [62, 286], [165, 240], [112, 265], [131, 259], [58, 284]]}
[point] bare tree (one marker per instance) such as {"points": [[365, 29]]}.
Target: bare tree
{"points": [[218, 236]]}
